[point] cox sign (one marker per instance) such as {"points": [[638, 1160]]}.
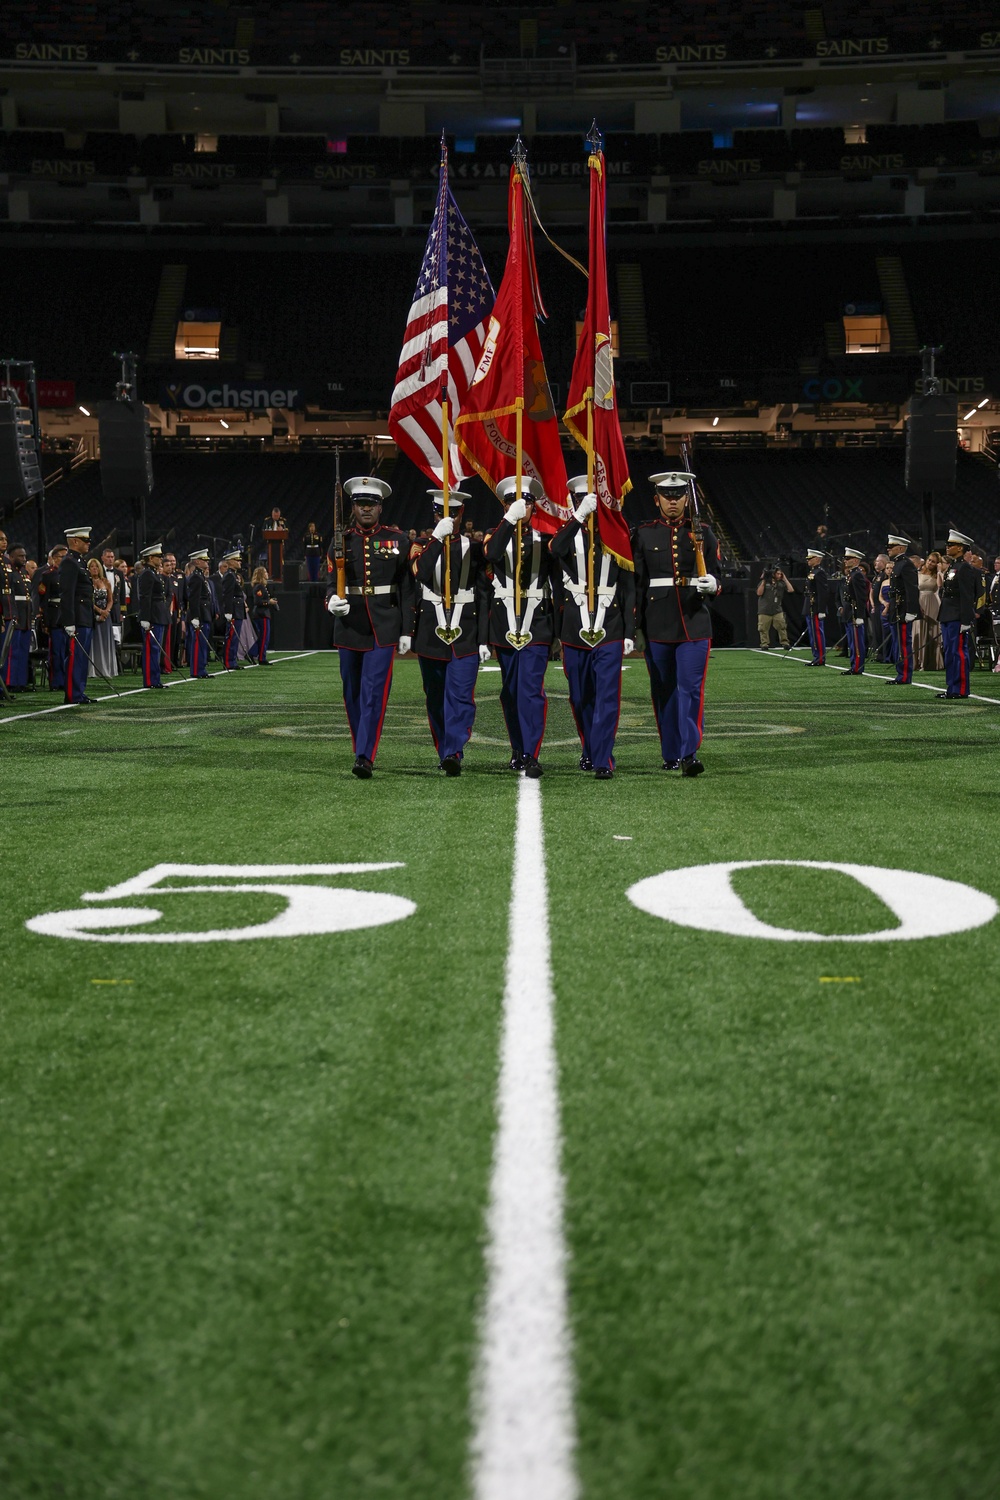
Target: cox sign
{"points": [[833, 389], [195, 397]]}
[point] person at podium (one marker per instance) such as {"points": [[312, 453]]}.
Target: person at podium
{"points": [[275, 521]]}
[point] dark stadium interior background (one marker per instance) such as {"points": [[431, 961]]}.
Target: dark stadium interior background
{"points": [[772, 169]]}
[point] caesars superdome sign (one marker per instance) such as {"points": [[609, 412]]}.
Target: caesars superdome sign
{"points": [[193, 396]]}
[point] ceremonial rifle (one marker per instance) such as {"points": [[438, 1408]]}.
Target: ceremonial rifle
{"points": [[697, 532], [339, 559]]}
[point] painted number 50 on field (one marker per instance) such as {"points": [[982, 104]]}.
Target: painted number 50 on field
{"points": [[310, 909]]}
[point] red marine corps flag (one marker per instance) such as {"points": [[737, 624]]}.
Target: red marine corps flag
{"points": [[443, 340], [507, 426], [592, 412]]}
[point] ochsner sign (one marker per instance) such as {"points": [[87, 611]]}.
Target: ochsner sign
{"points": [[195, 397]]}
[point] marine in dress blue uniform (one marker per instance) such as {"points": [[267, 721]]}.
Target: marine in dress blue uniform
{"points": [[672, 612], [904, 606], [17, 642], [816, 599], [594, 643], [199, 607], [233, 605], [153, 609], [376, 618], [450, 642], [854, 610], [522, 636], [45, 598], [957, 618], [76, 612]]}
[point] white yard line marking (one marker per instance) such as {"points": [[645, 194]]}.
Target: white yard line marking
{"points": [[36, 713], [927, 687], [524, 1437]]}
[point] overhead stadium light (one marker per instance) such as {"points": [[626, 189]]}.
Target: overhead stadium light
{"points": [[224, 424], [984, 402], [86, 413], [715, 421], [969, 414]]}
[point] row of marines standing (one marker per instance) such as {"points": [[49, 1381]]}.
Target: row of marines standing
{"points": [[515, 605], [960, 593], [61, 603]]}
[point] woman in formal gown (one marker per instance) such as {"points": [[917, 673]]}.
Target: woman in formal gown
{"points": [[104, 658], [927, 655]]}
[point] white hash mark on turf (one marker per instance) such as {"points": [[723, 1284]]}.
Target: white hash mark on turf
{"points": [[523, 1443]]}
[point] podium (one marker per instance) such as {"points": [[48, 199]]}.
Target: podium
{"points": [[275, 539]]}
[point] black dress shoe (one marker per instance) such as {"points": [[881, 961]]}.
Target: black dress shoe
{"points": [[586, 764], [894, 682], [362, 767], [517, 762], [691, 766], [603, 773], [531, 767], [671, 765], [157, 687], [86, 700], [952, 695], [451, 765]]}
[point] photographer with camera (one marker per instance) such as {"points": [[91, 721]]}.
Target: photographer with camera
{"points": [[771, 593]]}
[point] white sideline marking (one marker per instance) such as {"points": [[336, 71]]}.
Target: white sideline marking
{"points": [[36, 713], [928, 687], [524, 1439]]}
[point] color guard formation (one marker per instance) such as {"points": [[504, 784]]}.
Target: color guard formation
{"points": [[457, 602], [514, 595]]}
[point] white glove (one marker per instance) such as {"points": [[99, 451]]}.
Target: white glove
{"points": [[71, 630], [963, 628], [444, 528], [404, 644], [821, 617], [629, 645], [144, 624], [586, 508], [706, 584], [195, 624], [229, 617], [859, 620], [116, 632], [484, 653], [516, 511], [338, 606], [910, 619]]}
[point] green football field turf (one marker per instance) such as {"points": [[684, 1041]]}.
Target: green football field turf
{"points": [[244, 1183]]}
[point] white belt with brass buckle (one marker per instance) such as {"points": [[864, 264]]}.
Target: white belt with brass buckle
{"points": [[371, 588]]}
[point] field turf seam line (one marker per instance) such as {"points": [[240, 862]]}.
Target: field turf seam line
{"points": [[927, 687], [36, 713], [523, 1440]]}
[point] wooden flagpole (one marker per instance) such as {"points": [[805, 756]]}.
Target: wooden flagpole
{"points": [[444, 492], [518, 533], [590, 519]]}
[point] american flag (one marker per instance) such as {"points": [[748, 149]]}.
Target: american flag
{"points": [[445, 333]]}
